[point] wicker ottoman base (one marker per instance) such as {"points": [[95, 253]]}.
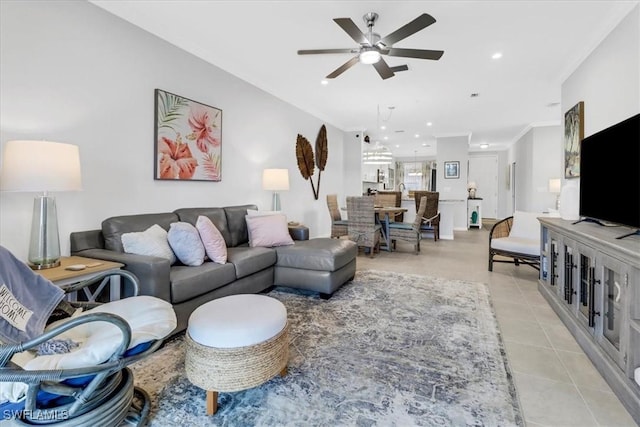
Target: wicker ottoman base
{"points": [[234, 369]]}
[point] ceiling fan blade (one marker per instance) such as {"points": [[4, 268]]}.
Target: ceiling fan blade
{"points": [[318, 51], [344, 67], [352, 29], [383, 69], [399, 68], [405, 31], [414, 53]]}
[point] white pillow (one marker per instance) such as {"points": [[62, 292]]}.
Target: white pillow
{"points": [[151, 242], [526, 225], [268, 231], [185, 241]]}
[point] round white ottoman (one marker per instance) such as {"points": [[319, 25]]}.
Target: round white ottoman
{"points": [[235, 343]]}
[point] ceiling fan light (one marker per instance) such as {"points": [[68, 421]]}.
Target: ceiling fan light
{"points": [[370, 56]]}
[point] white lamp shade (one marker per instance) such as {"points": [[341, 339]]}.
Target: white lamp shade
{"points": [[40, 166], [275, 179], [554, 185]]}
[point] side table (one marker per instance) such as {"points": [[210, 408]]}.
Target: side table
{"points": [[298, 231], [62, 277]]}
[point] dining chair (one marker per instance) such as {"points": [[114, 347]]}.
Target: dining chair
{"points": [[338, 225], [431, 217], [390, 198], [362, 225], [407, 231]]}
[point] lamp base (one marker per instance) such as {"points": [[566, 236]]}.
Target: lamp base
{"points": [[51, 264], [44, 245], [275, 202]]}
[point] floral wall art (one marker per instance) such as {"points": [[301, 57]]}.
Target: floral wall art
{"points": [[573, 135], [188, 139]]}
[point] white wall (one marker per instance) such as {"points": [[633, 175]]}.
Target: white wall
{"points": [[73, 73], [608, 80], [454, 148]]}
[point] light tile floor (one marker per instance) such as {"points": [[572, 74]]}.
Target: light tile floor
{"points": [[557, 384]]}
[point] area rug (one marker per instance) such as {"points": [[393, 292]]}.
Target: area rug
{"points": [[387, 349]]}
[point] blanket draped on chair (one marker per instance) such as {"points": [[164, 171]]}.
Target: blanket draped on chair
{"points": [[26, 300]]}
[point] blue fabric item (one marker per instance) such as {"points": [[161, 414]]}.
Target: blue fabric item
{"points": [[26, 300]]}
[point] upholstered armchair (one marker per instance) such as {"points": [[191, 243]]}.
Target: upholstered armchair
{"points": [[73, 370], [409, 232], [362, 223], [338, 225]]}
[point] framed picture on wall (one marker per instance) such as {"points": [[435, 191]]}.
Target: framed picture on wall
{"points": [[452, 170], [188, 139], [573, 135]]}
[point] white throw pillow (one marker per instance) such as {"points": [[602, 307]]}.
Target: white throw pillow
{"points": [[526, 225], [268, 231], [151, 242], [185, 241], [254, 212]]}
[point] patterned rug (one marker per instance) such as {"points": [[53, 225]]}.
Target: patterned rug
{"points": [[387, 349]]}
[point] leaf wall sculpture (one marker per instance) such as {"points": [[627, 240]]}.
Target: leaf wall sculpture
{"points": [[304, 154], [322, 152]]}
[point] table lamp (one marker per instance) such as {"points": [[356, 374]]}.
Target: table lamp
{"points": [[555, 185], [275, 180], [41, 166]]}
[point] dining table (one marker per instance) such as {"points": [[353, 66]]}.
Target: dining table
{"points": [[384, 216]]}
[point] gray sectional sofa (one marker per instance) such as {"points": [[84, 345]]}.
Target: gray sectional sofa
{"points": [[321, 265]]}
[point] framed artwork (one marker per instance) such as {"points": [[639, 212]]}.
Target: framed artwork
{"points": [[188, 139], [573, 135], [452, 170]]}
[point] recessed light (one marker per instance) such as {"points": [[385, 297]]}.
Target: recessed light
{"points": [[385, 138], [429, 123], [383, 127], [483, 146], [417, 135], [397, 145], [324, 82], [424, 144], [497, 55]]}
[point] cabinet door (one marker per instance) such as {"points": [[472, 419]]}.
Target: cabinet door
{"points": [[586, 287], [613, 278]]}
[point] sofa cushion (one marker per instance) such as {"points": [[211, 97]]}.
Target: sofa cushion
{"points": [[113, 228], [519, 245], [237, 224], [185, 242], [217, 216], [526, 225], [323, 254], [190, 282], [250, 260]]}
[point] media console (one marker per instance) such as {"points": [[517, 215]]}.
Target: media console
{"points": [[592, 281]]}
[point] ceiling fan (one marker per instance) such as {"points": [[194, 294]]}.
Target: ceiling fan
{"points": [[372, 46]]}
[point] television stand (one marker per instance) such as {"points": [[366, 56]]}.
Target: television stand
{"points": [[633, 233]]}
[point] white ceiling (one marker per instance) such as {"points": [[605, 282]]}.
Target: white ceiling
{"points": [[541, 41]]}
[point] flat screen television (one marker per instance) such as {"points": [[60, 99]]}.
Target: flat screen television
{"points": [[610, 174]]}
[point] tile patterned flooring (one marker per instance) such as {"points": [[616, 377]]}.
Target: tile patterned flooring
{"points": [[557, 384]]}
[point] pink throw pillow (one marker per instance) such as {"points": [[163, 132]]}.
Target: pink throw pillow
{"points": [[268, 231], [214, 244]]}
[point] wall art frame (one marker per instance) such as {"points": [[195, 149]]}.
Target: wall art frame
{"points": [[452, 170], [188, 139], [573, 136]]}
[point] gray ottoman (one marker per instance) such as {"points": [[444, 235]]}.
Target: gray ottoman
{"points": [[321, 265]]}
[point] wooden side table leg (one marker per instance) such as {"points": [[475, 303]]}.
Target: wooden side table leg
{"points": [[212, 402]]}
